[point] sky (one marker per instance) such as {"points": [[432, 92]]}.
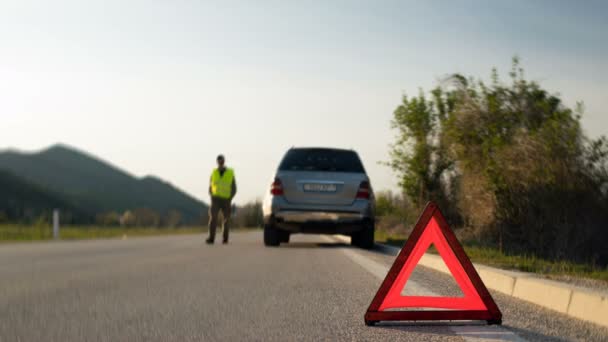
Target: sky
{"points": [[162, 87]]}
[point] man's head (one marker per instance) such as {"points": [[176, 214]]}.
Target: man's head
{"points": [[220, 161]]}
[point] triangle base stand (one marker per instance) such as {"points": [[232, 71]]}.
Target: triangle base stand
{"points": [[373, 317]]}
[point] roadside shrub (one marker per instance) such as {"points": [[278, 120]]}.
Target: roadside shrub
{"points": [[249, 215], [509, 161]]}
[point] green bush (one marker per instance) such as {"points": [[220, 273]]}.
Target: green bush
{"points": [[509, 161]]}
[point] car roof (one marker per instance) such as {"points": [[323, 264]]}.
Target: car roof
{"points": [[323, 149]]}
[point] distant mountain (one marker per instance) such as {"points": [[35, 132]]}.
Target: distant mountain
{"points": [[23, 201], [97, 186]]}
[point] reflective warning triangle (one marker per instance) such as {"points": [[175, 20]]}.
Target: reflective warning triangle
{"points": [[476, 302]]}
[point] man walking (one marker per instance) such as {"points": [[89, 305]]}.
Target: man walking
{"points": [[222, 188]]}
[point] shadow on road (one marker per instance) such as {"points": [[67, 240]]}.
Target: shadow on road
{"points": [[475, 330], [413, 328], [332, 245], [315, 245], [421, 324]]}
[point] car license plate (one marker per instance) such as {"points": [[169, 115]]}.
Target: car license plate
{"points": [[316, 187]]}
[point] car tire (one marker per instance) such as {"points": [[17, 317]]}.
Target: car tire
{"points": [[271, 236], [364, 238], [284, 236], [354, 239]]}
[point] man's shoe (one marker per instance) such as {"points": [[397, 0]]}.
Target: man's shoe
{"points": [[209, 241], [225, 241]]}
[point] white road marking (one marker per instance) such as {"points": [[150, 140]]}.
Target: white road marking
{"points": [[473, 333], [380, 272]]}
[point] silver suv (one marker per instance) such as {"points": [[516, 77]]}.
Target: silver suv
{"points": [[320, 191]]}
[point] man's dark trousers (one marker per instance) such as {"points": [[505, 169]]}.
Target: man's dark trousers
{"points": [[219, 204]]}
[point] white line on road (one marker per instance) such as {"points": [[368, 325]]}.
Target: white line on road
{"points": [[472, 333]]}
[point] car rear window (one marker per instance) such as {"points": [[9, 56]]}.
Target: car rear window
{"points": [[321, 160]]}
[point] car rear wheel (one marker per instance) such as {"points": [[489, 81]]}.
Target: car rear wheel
{"points": [[364, 238], [284, 236], [271, 236]]}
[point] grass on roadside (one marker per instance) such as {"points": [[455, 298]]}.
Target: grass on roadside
{"points": [[382, 236], [40, 233], [526, 263], [531, 263]]}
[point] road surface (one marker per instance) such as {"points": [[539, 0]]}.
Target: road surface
{"points": [[177, 288]]}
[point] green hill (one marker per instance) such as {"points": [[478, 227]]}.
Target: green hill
{"points": [[97, 186], [23, 201]]}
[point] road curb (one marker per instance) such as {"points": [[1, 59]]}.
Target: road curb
{"points": [[571, 300]]}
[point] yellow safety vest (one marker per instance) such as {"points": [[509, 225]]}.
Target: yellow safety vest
{"points": [[221, 186]]}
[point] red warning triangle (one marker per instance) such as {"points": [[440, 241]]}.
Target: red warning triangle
{"points": [[476, 304]]}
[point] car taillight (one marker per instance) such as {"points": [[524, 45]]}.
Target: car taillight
{"points": [[276, 188], [364, 191]]}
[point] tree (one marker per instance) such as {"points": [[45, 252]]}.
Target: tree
{"points": [[418, 155], [146, 217], [107, 219], [173, 218], [249, 215], [511, 160], [127, 219]]}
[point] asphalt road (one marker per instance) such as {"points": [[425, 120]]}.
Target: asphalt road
{"points": [[179, 289]]}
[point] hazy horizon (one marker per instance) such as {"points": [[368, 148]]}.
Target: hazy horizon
{"points": [[162, 88]]}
